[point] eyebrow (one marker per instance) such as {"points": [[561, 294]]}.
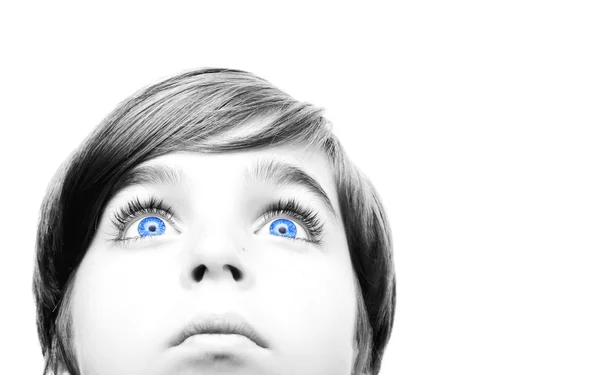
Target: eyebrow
{"points": [[155, 175], [281, 174], [271, 171]]}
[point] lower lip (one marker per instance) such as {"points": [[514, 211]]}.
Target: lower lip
{"points": [[227, 353]]}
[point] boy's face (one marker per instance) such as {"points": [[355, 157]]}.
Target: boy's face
{"points": [[219, 253]]}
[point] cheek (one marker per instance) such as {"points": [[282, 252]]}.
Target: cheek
{"points": [[117, 302], [312, 309]]}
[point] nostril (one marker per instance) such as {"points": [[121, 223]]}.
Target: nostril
{"points": [[199, 272], [235, 273]]}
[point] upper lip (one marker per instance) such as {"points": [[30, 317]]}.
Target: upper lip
{"points": [[229, 323]]}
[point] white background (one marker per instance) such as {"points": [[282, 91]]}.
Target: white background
{"points": [[476, 120]]}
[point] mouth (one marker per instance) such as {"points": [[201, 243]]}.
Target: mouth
{"points": [[217, 325]]}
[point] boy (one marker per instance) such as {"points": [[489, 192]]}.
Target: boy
{"points": [[213, 224]]}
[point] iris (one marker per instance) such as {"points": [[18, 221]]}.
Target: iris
{"points": [[151, 226], [283, 227]]}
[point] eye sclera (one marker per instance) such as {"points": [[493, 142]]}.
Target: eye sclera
{"points": [[135, 211], [267, 219], [167, 223], [304, 217]]}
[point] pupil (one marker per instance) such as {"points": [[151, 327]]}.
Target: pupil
{"points": [[152, 228], [282, 230]]}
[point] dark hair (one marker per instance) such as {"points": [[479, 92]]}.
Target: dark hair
{"points": [[202, 111]]}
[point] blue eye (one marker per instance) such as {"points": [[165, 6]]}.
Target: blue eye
{"points": [[151, 226], [283, 227]]}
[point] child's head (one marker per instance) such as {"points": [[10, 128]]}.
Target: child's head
{"points": [[213, 194]]}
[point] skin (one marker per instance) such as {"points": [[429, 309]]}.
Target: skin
{"points": [[129, 300]]}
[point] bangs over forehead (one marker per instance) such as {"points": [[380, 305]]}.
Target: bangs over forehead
{"points": [[209, 111]]}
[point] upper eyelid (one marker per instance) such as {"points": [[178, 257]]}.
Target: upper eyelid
{"points": [[162, 215], [121, 212], [299, 212], [263, 218], [272, 215]]}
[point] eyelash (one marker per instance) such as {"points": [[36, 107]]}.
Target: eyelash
{"points": [[135, 209], [290, 207]]}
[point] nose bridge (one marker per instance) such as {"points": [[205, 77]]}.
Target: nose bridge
{"points": [[216, 234], [215, 248]]}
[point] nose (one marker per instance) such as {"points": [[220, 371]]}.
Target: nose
{"points": [[216, 257]]}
